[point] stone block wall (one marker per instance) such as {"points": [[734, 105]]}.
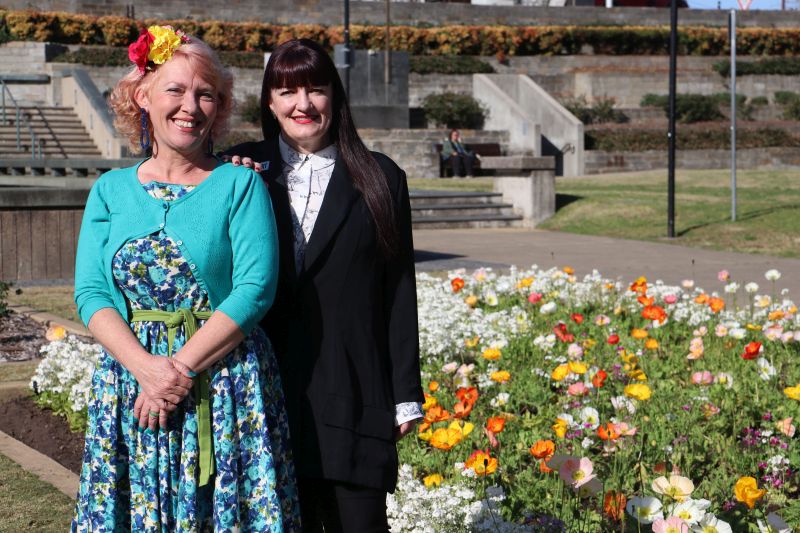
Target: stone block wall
{"points": [[598, 162]]}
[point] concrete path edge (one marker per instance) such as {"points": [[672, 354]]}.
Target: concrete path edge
{"points": [[39, 465]]}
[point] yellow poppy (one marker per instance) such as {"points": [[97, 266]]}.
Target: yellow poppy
{"points": [[638, 391]]}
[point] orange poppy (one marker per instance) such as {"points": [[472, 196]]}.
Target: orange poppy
{"points": [[614, 505], [608, 432], [433, 386], [543, 468], [646, 300], [436, 414], [543, 449], [481, 462], [654, 312], [640, 285], [462, 409], [457, 284], [716, 304], [496, 424], [702, 299], [467, 394], [577, 318]]}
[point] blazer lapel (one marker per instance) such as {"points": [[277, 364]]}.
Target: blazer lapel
{"points": [[336, 204], [283, 210]]}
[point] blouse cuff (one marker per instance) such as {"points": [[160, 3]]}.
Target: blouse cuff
{"points": [[407, 411]]}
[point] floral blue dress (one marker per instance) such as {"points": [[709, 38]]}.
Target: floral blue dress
{"points": [[137, 480]]}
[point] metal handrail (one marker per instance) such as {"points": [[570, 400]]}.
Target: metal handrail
{"points": [[19, 119]]}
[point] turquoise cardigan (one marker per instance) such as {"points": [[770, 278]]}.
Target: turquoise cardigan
{"points": [[225, 229]]}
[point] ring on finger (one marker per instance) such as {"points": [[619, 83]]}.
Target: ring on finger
{"points": [[153, 414]]}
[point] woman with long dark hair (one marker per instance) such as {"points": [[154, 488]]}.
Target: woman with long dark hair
{"points": [[344, 322]]}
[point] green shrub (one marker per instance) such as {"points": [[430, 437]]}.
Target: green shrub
{"points": [[453, 110], [236, 137], [477, 40], [5, 286], [792, 111], [759, 101], [698, 107], [451, 64], [785, 66], [786, 97], [637, 140], [117, 56], [250, 109], [601, 112]]}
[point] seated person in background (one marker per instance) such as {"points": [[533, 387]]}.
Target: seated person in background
{"points": [[461, 158]]}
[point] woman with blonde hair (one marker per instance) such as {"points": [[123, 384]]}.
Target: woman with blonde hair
{"points": [[176, 264]]}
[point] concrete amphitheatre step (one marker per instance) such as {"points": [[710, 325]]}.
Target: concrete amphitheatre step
{"points": [[450, 209], [59, 129]]}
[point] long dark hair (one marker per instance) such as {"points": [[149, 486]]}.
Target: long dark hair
{"points": [[304, 63]]}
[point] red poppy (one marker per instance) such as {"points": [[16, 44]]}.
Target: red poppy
{"points": [[457, 284], [613, 339], [577, 318], [599, 379], [751, 351], [561, 332]]}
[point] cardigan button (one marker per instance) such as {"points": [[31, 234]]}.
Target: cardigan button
{"points": [[180, 243], [193, 266], [161, 225]]}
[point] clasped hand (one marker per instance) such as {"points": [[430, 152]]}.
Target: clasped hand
{"points": [[164, 383]]}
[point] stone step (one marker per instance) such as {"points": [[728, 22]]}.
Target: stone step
{"points": [[475, 221], [461, 210], [428, 198]]}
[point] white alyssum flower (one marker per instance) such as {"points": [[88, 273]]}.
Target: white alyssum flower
{"points": [[67, 367], [751, 288]]}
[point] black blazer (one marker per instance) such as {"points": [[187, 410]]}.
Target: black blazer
{"points": [[344, 328]]}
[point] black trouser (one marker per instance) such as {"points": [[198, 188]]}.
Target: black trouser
{"points": [[337, 507], [462, 163]]}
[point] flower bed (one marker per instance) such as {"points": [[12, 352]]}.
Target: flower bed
{"points": [[558, 404]]}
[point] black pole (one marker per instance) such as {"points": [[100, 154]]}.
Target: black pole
{"points": [[673, 66], [347, 46]]}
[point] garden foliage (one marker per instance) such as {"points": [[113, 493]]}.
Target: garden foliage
{"points": [[5, 286], [699, 107], [503, 41], [702, 137], [601, 112], [453, 110], [554, 403], [450, 64], [784, 66]]}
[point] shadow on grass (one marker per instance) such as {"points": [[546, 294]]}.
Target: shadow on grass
{"points": [[563, 200], [741, 217]]}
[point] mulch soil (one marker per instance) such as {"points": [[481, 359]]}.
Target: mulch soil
{"points": [[21, 338], [43, 431]]}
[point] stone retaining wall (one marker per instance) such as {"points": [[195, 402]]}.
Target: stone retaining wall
{"points": [[436, 13], [598, 162]]}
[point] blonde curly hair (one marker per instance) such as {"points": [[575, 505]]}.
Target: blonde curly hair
{"points": [[203, 60]]}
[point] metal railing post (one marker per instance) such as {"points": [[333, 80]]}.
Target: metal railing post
{"points": [[19, 143]]}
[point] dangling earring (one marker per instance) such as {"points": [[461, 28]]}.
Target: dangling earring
{"points": [[210, 146], [144, 135]]}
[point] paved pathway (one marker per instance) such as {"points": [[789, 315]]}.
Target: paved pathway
{"points": [[469, 248]]}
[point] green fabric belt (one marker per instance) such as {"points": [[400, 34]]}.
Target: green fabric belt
{"points": [[189, 318]]}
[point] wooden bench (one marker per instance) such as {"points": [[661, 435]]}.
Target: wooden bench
{"points": [[481, 149]]}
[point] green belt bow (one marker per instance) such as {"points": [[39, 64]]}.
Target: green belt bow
{"points": [[188, 319]]}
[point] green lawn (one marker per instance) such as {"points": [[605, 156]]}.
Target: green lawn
{"points": [[55, 299], [29, 504], [634, 206]]}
